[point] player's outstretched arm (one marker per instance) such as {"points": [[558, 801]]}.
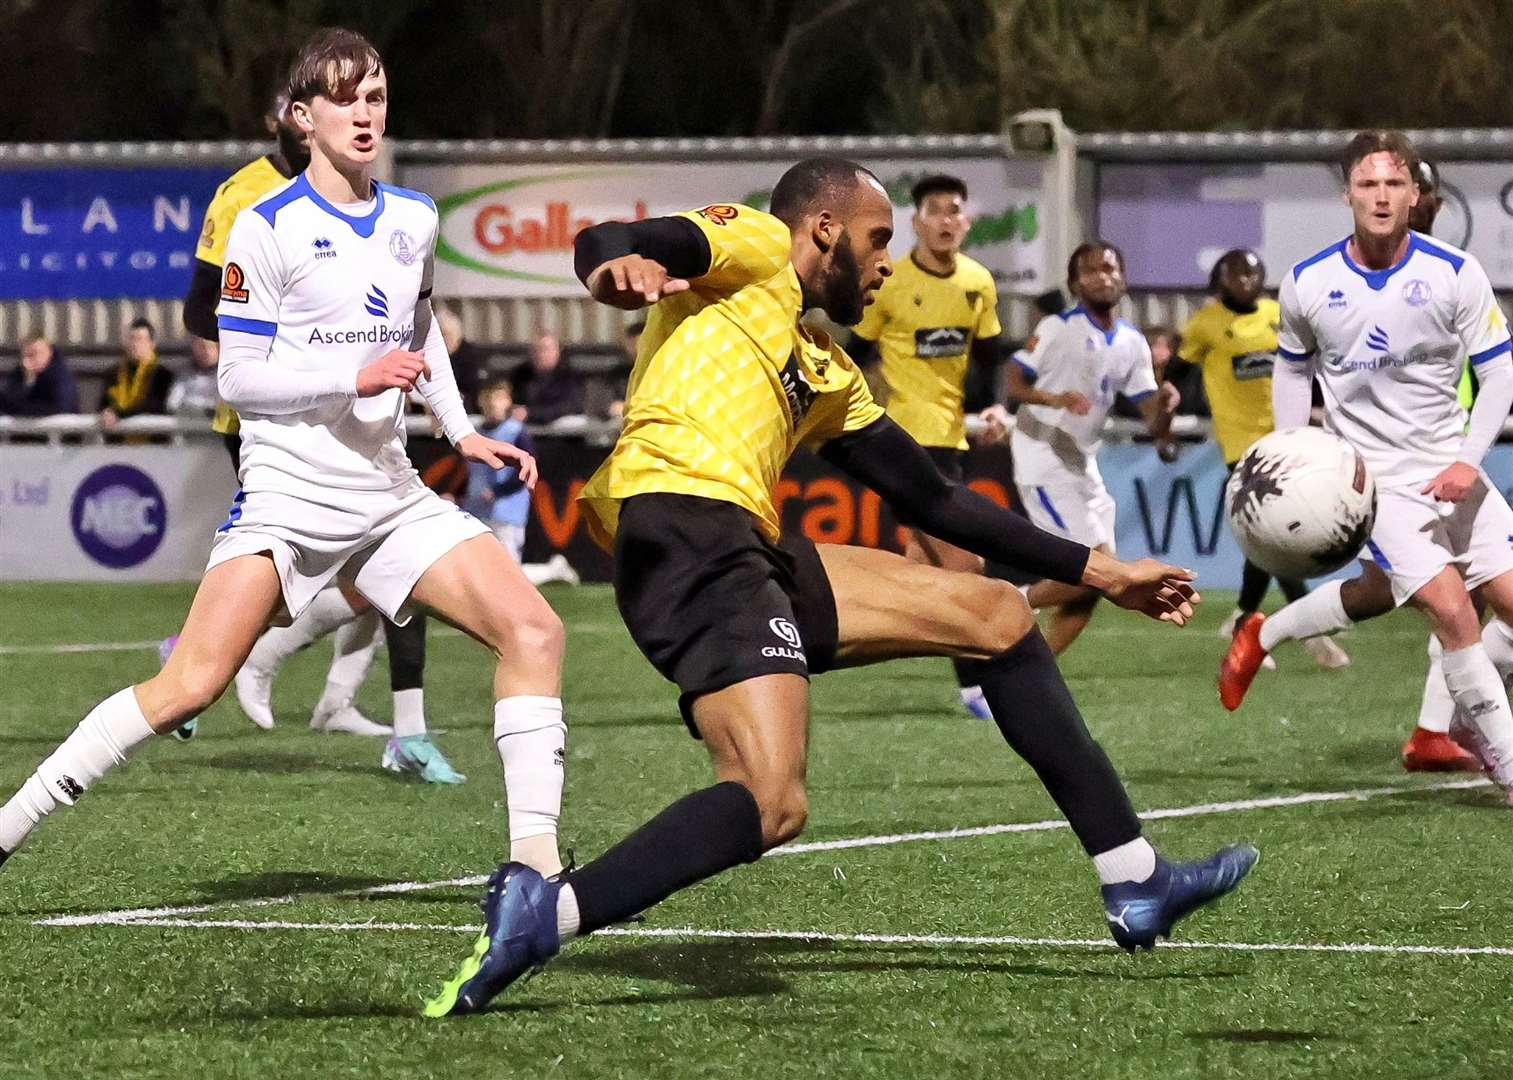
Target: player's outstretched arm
{"points": [[885, 458], [631, 264]]}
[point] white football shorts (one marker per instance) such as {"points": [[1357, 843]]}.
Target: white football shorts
{"points": [[1415, 538], [380, 541], [1076, 507]]}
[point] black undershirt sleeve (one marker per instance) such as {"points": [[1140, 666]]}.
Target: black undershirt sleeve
{"points": [[201, 299], [675, 242], [885, 458], [987, 353]]}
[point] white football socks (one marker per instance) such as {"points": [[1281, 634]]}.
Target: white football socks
{"points": [[1473, 682], [1438, 708], [1134, 861], [567, 913], [1320, 612], [531, 738], [100, 743], [410, 712], [326, 612], [353, 647]]}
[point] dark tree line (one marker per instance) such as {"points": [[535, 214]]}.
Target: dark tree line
{"points": [[130, 69]]}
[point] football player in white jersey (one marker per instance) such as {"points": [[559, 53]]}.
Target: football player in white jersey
{"points": [[1081, 359], [325, 325], [1385, 318]]}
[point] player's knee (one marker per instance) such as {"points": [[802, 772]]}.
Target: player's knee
{"points": [[186, 692], [534, 636], [997, 612]]}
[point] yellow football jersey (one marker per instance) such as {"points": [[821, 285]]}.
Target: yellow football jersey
{"points": [[924, 324], [727, 383], [1236, 353], [240, 190]]}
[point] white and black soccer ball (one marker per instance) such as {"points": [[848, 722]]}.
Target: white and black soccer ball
{"points": [[1301, 502]]}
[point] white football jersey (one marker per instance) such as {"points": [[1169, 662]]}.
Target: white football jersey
{"points": [[335, 289], [1071, 352], [1388, 347]]}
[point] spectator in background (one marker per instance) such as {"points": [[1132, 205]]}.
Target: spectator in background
{"points": [[547, 388], [195, 394], [141, 384], [41, 384], [469, 361], [497, 496]]}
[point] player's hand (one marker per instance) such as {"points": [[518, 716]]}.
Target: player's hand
{"points": [[1152, 588], [631, 282], [1454, 483], [1168, 397], [397, 370], [996, 424], [498, 455], [1073, 402], [109, 419]]}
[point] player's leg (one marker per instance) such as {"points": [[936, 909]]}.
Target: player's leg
{"points": [[478, 587], [333, 607], [1326, 653], [1430, 748], [1081, 509], [353, 647], [233, 603], [407, 667], [886, 607]]}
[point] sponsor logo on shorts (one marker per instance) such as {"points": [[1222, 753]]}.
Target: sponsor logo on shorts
{"points": [[792, 647], [234, 285], [119, 516]]}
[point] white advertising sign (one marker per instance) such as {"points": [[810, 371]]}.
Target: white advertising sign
{"points": [[101, 513], [507, 230]]}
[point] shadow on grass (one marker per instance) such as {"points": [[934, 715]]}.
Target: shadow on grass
{"points": [[1262, 1035], [276, 762], [280, 883]]}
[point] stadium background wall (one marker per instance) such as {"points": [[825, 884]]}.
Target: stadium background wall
{"points": [[148, 513]]}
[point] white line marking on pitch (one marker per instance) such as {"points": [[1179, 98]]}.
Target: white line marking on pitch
{"points": [[1358, 795], [819, 936], [139, 915], [78, 647]]}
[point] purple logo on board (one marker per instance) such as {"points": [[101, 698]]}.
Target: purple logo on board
{"points": [[118, 516]]}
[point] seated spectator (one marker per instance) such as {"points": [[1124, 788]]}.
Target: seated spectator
{"points": [[632, 345], [469, 361], [547, 389], [141, 384], [195, 394], [41, 385]]}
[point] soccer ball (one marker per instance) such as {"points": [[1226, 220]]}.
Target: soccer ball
{"points": [[1301, 503]]}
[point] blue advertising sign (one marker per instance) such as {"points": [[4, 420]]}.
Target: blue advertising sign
{"points": [[100, 233]]}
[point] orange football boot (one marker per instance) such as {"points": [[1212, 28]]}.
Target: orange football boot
{"points": [[1242, 661]]}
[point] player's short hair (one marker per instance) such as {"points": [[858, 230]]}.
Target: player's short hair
{"points": [[1088, 247], [332, 64], [31, 338], [1378, 141], [811, 181], [140, 323], [934, 185], [1233, 253], [494, 386]]}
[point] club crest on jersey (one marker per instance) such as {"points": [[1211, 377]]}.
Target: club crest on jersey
{"points": [[1416, 293], [234, 285], [1337, 299], [402, 247]]}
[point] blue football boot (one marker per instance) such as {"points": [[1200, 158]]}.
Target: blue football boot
{"points": [[1140, 912], [519, 934]]}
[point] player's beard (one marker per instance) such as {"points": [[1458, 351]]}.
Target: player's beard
{"points": [[841, 294]]}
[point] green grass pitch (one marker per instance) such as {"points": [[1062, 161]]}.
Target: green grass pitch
{"points": [[239, 816]]}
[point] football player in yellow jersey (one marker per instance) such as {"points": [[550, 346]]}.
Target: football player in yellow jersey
{"points": [[355, 624], [727, 383], [1233, 340], [933, 317], [243, 188]]}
